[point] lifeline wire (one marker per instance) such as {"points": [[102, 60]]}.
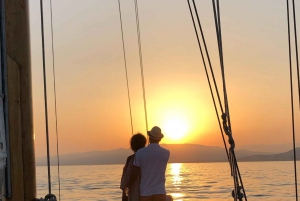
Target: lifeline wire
{"points": [[141, 60], [45, 96], [207, 76], [55, 102], [125, 63], [292, 97]]}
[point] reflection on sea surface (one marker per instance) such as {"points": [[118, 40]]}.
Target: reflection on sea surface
{"points": [[176, 178], [267, 181]]}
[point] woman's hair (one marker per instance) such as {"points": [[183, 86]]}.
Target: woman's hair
{"points": [[137, 141]]}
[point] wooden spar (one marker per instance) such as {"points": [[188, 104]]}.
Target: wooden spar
{"points": [[23, 181]]}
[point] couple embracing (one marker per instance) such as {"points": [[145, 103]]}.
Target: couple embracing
{"points": [[143, 177]]}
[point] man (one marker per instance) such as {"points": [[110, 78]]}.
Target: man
{"points": [[151, 163]]}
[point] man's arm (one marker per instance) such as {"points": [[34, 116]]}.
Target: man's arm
{"points": [[134, 174]]}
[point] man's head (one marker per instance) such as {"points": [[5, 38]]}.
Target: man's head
{"points": [[155, 135]]}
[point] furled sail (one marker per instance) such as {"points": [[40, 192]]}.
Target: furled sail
{"points": [[3, 153]]}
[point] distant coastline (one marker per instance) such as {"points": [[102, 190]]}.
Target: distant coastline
{"points": [[180, 153]]}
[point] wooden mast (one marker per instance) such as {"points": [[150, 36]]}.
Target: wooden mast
{"points": [[22, 159]]}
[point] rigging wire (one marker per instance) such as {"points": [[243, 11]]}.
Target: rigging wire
{"points": [[45, 96], [216, 9], [125, 64], [141, 60], [207, 54], [55, 98], [225, 114], [220, 47], [296, 49], [207, 76], [292, 97]]}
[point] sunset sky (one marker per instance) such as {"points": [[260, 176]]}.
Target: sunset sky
{"points": [[92, 103]]}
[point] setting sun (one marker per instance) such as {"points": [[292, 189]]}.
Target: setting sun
{"points": [[181, 121], [175, 128]]}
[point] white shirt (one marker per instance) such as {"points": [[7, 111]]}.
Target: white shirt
{"points": [[153, 161]]}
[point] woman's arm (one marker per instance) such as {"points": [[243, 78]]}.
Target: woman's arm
{"points": [[134, 173], [126, 173]]}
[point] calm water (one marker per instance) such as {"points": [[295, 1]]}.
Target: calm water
{"points": [[185, 181]]}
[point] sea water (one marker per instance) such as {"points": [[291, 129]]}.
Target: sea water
{"points": [[184, 181]]}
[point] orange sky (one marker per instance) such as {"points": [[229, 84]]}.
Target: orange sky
{"points": [[92, 102]]}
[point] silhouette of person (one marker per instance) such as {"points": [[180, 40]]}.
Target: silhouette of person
{"points": [[151, 162], [130, 187]]}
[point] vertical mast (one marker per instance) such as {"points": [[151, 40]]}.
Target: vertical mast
{"points": [[19, 97]]}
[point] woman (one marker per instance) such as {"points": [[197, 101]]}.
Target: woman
{"points": [[131, 188]]}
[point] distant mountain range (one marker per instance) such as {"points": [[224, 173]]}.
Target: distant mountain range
{"points": [[286, 156], [272, 148], [180, 153]]}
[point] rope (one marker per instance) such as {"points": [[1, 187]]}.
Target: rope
{"points": [[207, 76], [55, 102], [125, 64], [141, 60], [45, 96], [292, 97]]}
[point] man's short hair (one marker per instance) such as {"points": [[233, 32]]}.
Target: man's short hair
{"points": [[154, 140]]}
